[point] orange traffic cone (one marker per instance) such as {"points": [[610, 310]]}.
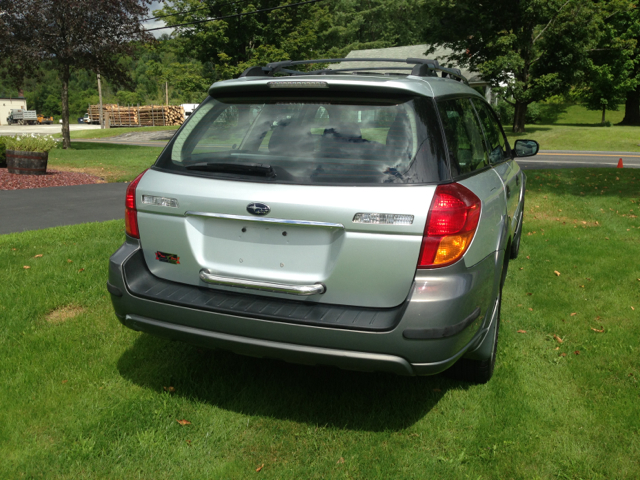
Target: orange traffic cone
{"points": [[620, 165]]}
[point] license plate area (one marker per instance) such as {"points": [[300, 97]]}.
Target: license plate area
{"points": [[265, 250]]}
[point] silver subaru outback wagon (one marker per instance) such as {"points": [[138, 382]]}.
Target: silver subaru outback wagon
{"points": [[351, 217]]}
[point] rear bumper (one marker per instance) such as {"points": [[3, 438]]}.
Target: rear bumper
{"points": [[447, 314]]}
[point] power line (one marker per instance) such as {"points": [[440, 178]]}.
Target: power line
{"points": [[208, 7], [236, 15]]}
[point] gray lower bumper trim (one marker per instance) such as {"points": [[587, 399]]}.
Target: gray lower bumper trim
{"points": [[140, 282], [264, 348], [443, 332], [113, 290]]}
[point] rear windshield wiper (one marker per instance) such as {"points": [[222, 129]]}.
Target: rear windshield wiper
{"points": [[258, 169]]}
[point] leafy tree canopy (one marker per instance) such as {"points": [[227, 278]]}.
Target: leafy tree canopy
{"points": [[323, 29], [619, 56], [530, 49]]}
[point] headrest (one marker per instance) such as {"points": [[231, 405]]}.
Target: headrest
{"points": [[345, 130]]}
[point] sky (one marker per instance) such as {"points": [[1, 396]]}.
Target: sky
{"points": [[155, 5]]}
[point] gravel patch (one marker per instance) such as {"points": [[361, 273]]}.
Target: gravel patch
{"points": [[53, 178]]}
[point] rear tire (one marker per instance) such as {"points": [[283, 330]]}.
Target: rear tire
{"points": [[479, 371]]}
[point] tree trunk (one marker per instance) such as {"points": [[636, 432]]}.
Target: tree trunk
{"points": [[519, 116], [66, 138], [604, 109], [632, 108]]}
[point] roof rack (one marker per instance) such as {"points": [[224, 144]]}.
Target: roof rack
{"points": [[422, 68]]}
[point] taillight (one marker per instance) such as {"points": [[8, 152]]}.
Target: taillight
{"points": [[451, 225], [130, 212]]}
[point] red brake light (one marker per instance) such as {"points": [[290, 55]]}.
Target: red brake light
{"points": [[451, 225], [130, 212]]}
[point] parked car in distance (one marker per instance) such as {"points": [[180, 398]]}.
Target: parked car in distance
{"points": [[352, 217]]}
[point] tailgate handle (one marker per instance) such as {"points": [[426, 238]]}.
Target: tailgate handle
{"points": [[305, 290]]}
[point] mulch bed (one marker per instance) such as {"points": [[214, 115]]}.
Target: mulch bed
{"points": [[53, 178]]}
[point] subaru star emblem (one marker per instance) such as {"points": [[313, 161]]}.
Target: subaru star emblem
{"points": [[257, 208]]}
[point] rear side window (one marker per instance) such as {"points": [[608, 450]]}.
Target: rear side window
{"points": [[312, 140], [497, 144], [464, 136]]}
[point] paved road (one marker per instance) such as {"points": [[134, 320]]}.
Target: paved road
{"points": [[44, 129], [573, 159], [33, 209], [150, 143]]}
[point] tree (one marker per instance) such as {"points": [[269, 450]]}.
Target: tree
{"points": [[529, 49], [624, 23], [334, 28], [608, 76], [71, 35]]}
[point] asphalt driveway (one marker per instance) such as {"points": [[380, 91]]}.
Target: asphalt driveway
{"points": [[33, 209]]}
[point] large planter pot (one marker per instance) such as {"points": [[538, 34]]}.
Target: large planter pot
{"points": [[27, 163]]}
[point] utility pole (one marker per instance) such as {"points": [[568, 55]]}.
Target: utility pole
{"points": [[100, 96], [166, 93]]}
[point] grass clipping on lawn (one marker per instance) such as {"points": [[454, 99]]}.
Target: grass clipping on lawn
{"points": [[89, 398]]}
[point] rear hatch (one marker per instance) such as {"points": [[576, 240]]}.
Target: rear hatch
{"points": [[295, 190]]}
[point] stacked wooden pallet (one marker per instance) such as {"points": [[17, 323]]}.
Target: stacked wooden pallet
{"points": [[159, 115]]}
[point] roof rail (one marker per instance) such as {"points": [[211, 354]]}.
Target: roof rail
{"points": [[423, 67]]}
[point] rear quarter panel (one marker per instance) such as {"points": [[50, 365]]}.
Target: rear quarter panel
{"points": [[488, 186]]}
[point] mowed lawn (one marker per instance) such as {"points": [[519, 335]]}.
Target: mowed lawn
{"points": [[573, 127], [84, 397], [114, 132], [111, 162], [581, 137]]}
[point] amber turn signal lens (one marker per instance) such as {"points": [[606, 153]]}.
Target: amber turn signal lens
{"points": [[452, 247]]}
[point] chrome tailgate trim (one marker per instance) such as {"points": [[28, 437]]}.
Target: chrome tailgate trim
{"points": [[304, 290], [282, 221]]}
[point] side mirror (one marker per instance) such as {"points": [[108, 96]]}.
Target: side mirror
{"points": [[526, 148]]}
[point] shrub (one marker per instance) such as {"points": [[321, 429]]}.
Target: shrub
{"points": [[30, 143], [533, 113], [3, 158], [506, 112]]}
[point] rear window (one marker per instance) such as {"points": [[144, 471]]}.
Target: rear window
{"points": [[290, 138]]}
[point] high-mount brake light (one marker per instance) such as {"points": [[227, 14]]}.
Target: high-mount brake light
{"points": [[130, 212], [451, 225], [297, 84]]}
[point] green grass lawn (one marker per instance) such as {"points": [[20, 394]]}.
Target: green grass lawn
{"points": [[569, 114], [587, 137], [113, 132], [112, 162], [84, 397], [573, 127]]}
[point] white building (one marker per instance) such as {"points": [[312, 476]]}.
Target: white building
{"points": [[8, 104], [416, 51]]}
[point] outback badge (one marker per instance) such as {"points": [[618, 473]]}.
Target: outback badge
{"points": [[258, 208], [171, 258]]}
